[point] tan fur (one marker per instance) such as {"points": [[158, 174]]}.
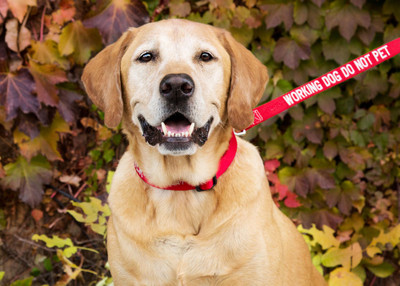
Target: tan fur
{"points": [[231, 235]]}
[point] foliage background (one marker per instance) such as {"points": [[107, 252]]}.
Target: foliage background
{"points": [[333, 161]]}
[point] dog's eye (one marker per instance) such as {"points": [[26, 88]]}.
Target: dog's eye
{"points": [[206, 57], [146, 57]]}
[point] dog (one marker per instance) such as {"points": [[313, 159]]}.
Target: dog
{"points": [[180, 88]]}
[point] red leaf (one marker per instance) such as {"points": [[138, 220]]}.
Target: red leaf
{"points": [[282, 190], [37, 215], [273, 178], [277, 14], [16, 93], [330, 150], [271, 165], [290, 53], [302, 186], [67, 106], [46, 77], [65, 13], [117, 17], [320, 218], [318, 2], [291, 200]]}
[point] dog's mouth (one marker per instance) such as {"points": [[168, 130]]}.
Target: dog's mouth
{"points": [[176, 130]]}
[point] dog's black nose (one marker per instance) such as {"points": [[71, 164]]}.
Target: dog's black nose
{"points": [[176, 87]]}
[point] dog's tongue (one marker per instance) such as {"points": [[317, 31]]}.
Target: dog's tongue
{"points": [[177, 127]]}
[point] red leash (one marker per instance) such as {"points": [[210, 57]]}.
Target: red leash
{"points": [[324, 82], [290, 99]]}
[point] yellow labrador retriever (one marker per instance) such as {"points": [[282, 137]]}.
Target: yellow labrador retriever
{"points": [[179, 88]]}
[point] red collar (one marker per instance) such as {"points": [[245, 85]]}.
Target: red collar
{"points": [[224, 163]]}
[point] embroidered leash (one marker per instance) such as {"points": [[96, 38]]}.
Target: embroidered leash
{"points": [[324, 82], [290, 99]]}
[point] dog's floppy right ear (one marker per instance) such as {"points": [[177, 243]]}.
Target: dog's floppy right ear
{"points": [[102, 79], [248, 79]]}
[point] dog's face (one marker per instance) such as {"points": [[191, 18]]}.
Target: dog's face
{"points": [[176, 80], [180, 80]]}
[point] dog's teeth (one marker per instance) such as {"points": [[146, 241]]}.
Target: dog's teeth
{"points": [[164, 128], [191, 128], [169, 133], [186, 134]]}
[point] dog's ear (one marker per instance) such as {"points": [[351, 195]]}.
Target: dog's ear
{"points": [[248, 79], [102, 79]]}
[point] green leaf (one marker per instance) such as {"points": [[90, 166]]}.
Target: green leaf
{"points": [[79, 41], [395, 87], [108, 155], [366, 122], [242, 35], [25, 282], [28, 178], [383, 270], [48, 265], [336, 49], [347, 17], [391, 7], [2, 275], [304, 35], [110, 176]]}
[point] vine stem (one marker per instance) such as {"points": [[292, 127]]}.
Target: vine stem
{"points": [[42, 24]]}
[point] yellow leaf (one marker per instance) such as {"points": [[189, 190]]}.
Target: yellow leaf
{"points": [[392, 237], [45, 142], [349, 257], [343, 277], [55, 241], [324, 237], [19, 7], [373, 250], [47, 53], [79, 41]]}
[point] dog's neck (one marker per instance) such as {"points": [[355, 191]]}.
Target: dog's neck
{"points": [[163, 170]]}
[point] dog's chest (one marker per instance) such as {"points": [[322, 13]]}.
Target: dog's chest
{"points": [[172, 246], [179, 214]]}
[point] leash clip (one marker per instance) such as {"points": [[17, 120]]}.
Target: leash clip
{"points": [[243, 132], [214, 181]]}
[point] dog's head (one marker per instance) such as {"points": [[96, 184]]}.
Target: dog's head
{"points": [[177, 81]]}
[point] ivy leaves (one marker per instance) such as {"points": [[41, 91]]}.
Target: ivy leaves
{"points": [[28, 177], [117, 17], [16, 93]]}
